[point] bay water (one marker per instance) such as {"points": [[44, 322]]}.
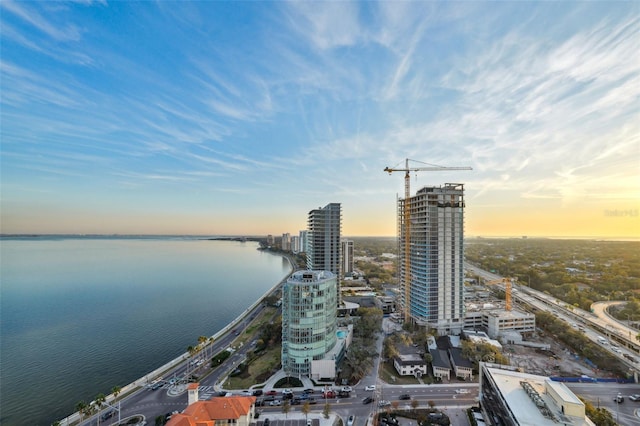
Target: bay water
{"points": [[80, 315]]}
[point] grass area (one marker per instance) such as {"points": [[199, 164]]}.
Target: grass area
{"points": [[267, 361], [389, 375]]}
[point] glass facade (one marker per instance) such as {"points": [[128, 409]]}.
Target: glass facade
{"points": [[436, 256], [309, 319]]}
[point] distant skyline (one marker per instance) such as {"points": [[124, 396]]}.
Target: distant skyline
{"points": [[238, 118]]}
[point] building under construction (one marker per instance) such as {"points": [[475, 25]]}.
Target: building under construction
{"points": [[431, 257]]}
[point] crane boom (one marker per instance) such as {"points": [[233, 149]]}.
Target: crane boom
{"points": [[407, 217]]}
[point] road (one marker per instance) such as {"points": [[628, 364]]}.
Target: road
{"points": [[152, 403], [594, 324]]}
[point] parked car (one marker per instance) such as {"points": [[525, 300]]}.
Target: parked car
{"points": [[275, 402], [308, 391], [383, 403], [367, 400], [287, 391], [404, 396], [271, 392], [350, 420], [370, 388], [257, 392], [346, 389]]}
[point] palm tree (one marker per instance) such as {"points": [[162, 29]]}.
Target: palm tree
{"points": [[116, 391], [326, 410], [306, 409], [286, 407], [80, 407], [99, 402], [191, 351]]}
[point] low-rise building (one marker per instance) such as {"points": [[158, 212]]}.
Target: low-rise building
{"points": [[410, 365], [510, 398], [498, 321], [462, 367], [440, 364], [231, 410]]}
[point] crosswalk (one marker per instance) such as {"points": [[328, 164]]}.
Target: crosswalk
{"points": [[205, 392]]}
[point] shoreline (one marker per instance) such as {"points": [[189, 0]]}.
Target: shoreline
{"points": [[127, 390]]}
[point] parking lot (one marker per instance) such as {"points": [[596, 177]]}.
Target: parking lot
{"points": [[287, 422]]}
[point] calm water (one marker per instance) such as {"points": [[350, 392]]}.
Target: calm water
{"points": [[82, 315]]}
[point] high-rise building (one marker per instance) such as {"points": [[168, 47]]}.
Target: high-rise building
{"points": [[295, 244], [309, 320], [347, 257], [286, 242], [323, 247], [434, 271], [303, 241]]}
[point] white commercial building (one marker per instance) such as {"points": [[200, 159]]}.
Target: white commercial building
{"points": [[511, 398]]}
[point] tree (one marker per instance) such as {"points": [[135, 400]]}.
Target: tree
{"points": [[414, 404], [431, 404], [160, 420], [428, 357], [81, 406], [99, 403], [286, 407], [116, 391], [306, 409], [327, 410]]}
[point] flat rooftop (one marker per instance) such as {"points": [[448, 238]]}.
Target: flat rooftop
{"points": [[524, 408]]}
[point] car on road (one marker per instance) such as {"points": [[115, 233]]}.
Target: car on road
{"points": [[618, 398], [367, 400], [634, 397], [370, 388], [350, 420], [462, 390], [404, 396]]}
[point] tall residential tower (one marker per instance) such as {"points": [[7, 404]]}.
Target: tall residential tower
{"points": [[324, 228], [435, 296], [309, 320]]}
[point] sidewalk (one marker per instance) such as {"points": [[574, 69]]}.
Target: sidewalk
{"points": [[271, 381], [299, 416]]}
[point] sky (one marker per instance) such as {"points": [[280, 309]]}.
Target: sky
{"points": [[238, 118]]}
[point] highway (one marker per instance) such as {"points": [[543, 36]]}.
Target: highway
{"points": [[596, 324]]}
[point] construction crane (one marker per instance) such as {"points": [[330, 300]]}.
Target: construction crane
{"points": [[407, 221], [507, 289]]}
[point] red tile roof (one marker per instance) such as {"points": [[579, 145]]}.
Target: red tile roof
{"points": [[205, 413]]}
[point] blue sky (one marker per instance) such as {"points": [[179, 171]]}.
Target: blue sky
{"points": [[241, 117]]}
